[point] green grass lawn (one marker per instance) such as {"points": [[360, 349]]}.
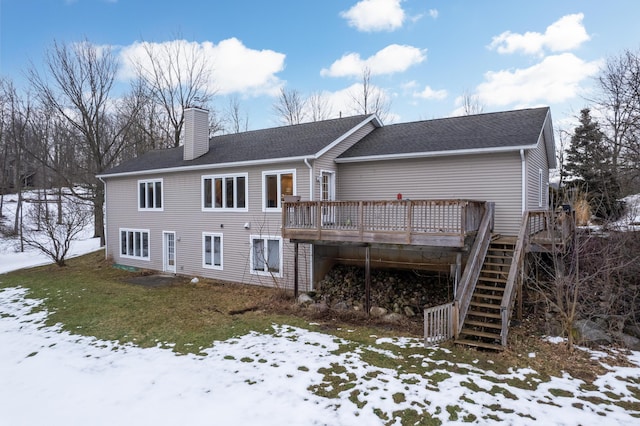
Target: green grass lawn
{"points": [[90, 297]]}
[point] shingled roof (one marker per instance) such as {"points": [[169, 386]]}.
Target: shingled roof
{"points": [[498, 131], [279, 143]]}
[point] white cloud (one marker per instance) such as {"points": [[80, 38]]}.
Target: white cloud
{"points": [[556, 79], [429, 93], [235, 68], [375, 15], [393, 58], [565, 34], [433, 13]]}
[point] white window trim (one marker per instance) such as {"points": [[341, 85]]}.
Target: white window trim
{"points": [[224, 193], [266, 238], [266, 209], [151, 209], [540, 185], [332, 189], [127, 256], [213, 235]]}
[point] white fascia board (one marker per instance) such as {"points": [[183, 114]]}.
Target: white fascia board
{"points": [[207, 167], [433, 154], [373, 118], [550, 148]]}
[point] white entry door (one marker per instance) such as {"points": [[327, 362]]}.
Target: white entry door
{"points": [[328, 193], [169, 257]]}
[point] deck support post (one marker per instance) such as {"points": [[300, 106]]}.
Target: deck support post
{"points": [[295, 270], [457, 274], [367, 279], [519, 294]]}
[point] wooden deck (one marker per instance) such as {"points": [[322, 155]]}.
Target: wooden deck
{"points": [[550, 231], [439, 223]]}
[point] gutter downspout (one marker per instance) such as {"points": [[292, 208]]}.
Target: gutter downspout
{"points": [[104, 225], [306, 162], [524, 176]]}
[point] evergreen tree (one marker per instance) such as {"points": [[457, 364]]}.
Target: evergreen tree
{"points": [[590, 164]]}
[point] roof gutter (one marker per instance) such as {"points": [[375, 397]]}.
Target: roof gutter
{"points": [[205, 167], [446, 153]]}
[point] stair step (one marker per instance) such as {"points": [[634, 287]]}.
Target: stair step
{"points": [[480, 344], [493, 280], [497, 264], [487, 296], [478, 333], [485, 305], [489, 288], [485, 314], [495, 271], [496, 256], [474, 323], [503, 249]]}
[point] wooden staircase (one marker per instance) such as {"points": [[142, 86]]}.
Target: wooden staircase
{"points": [[483, 323]]}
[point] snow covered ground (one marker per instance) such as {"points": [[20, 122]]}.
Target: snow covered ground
{"points": [[291, 377], [52, 377], [12, 258]]}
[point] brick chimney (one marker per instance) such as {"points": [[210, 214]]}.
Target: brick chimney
{"points": [[196, 132]]}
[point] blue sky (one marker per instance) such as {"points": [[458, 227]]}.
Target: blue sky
{"points": [[423, 54]]}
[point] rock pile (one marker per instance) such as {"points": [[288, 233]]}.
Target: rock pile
{"points": [[392, 291]]}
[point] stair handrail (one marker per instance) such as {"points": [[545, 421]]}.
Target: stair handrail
{"points": [[508, 297], [472, 270]]}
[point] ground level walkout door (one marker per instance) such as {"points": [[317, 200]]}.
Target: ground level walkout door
{"points": [[327, 193], [169, 251]]}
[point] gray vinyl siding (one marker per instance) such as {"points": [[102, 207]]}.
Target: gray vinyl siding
{"points": [[536, 160], [327, 162], [487, 177], [183, 215]]}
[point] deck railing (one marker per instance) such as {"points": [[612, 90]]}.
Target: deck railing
{"points": [[472, 270], [390, 221], [550, 229], [438, 324], [514, 278]]}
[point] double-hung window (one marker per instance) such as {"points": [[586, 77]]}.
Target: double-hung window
{"points": [[134, 243], [275, 185], [224, 192], [266, 255], [211, 250], [150, 194]]}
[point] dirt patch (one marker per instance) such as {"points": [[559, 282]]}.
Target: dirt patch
{"points": [[156, 280]]}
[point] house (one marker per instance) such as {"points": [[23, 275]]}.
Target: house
{"points": [[279, 206]]}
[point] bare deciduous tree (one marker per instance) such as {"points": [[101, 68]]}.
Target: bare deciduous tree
{"points": [[178, 76], [370, 99], [16, 116], [618, 103], [594, 278], [54, 238], [318, 107], [471, 104], [77, 83], [290, 107], [238, 121]]}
